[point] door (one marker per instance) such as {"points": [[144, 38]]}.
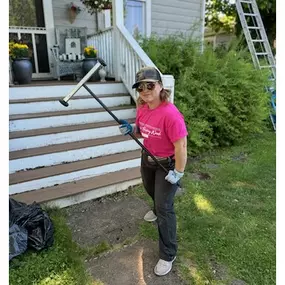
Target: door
{"points": [[28, 22]]}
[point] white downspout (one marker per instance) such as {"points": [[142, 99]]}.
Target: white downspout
{"points": [[203, 10]]}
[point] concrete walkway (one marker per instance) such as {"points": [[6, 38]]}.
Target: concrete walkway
{"points": [[116, 219]]}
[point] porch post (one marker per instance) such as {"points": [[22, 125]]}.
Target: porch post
{"points": [[118, 21], [49, 24], [168, 83]]}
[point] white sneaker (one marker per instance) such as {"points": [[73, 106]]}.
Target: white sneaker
{"points": [[150, 216], [163, 267]]}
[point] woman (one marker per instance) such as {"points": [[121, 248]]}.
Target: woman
{"points": [[163, 129]]}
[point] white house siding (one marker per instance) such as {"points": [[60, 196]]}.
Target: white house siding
{"points": [[175, 16], [83, 19]]}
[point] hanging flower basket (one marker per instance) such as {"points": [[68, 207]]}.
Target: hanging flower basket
{"points": [[73, 11], [107, 6], [97, 5]]}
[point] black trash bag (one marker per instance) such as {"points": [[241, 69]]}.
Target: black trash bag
{"points": [[18, 241], [35, 221]]}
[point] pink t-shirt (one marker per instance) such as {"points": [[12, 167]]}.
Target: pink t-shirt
{"points": [[160, 128]]}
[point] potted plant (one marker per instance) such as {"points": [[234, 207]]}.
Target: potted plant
{"points": [[90, 60], [73, 11], [97, 5], [21, 65]]}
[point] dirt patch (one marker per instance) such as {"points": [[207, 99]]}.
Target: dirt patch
{"points": [[200, 175], [132, 265], [240, 157], [238, 282], [221, 273], [212, 166], [115, 219], [112, 219]]}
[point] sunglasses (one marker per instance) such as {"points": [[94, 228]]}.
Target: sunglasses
{"points": [[145, 85]]}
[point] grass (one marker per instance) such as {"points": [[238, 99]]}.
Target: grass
{"points": [[226, 224], [61, 264]]}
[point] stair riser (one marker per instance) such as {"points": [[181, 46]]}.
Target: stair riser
{"points": [[53, 106], [58, 121], [53, 139], [93, 194], [71, 155], [73, 176], [61, 91]]}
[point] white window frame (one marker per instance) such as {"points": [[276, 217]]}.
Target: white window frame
{"points": [[146, 16]]}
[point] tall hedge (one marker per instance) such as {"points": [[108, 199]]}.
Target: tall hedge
{"points": [[220, 94]]}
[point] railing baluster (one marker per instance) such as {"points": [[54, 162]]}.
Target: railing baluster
{"points": [[131, 55]]}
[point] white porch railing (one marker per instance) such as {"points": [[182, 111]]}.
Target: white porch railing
{"points": [[103, 41], [122, 54], [132, 58]]}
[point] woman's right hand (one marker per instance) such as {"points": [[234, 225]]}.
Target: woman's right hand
{"points": [[125, 127]]}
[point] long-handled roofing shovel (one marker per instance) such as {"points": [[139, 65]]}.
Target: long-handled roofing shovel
{"points": [[65, 100]]}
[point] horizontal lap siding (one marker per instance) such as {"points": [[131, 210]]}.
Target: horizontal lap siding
{"points": [[83, 19], [175, 16]]}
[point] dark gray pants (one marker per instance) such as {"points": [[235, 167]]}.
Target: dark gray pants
{"points": [[162, 193]]}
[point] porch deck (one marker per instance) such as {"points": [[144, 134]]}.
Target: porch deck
{"points": [[55, 82]]}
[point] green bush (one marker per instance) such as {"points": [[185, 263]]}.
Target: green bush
{"points": [[220, 93]]}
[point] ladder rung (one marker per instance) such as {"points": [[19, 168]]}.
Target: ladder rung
{"points": [[249, 14], [246, 1], [254, 28], [258, 41], [267, 66], [261, 53]]}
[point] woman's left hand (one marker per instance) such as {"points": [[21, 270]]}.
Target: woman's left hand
{"points": [[174, 176]]}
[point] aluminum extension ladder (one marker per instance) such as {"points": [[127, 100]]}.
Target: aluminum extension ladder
{"points": [[257, 42]]}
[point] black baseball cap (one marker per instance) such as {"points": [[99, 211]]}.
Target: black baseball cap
{"points": [[147, 74]]}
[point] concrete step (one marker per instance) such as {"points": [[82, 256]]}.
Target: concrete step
{"points": [[53, 105], [62, 89], [68, 152], [54, 136], [65, 155], [25, 122], [75, 97], [56, 130], [64, 173], [86, 189], [49, 171]]}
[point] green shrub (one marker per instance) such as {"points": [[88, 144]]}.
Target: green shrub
{"points": [[220, 93]]}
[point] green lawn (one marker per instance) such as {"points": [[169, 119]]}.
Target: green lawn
{"points": [[226, 225], [62, 264], [231, 217]]}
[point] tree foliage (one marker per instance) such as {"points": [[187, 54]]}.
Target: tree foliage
{"points": [[222, 14], [22, 15]]}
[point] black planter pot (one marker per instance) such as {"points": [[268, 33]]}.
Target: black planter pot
{"points": [[22, 70], [87, 65]]}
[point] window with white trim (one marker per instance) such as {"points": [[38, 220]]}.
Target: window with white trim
{"points": [[136, 20]]}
